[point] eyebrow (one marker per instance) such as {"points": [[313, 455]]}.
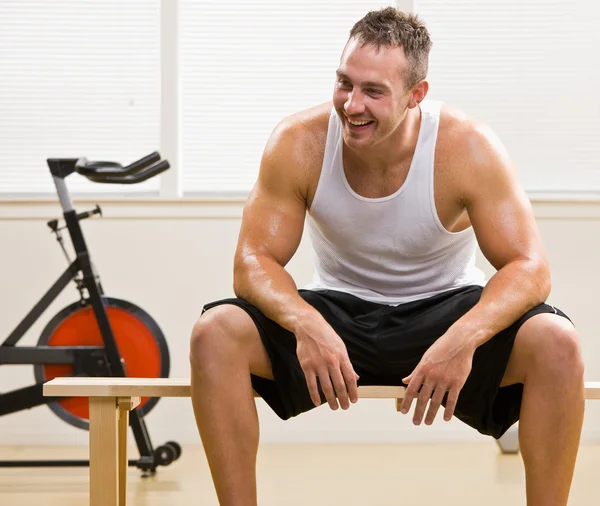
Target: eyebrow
{"points": [[371, 84]]}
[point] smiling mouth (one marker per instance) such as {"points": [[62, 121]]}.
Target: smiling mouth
{"points": [[358, 124]]}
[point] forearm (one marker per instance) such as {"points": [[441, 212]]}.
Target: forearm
{"points": [[515, 289], [268, 286]]}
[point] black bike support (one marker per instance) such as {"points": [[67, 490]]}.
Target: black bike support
{"points": [[42, 305], [115, 364], [24, 398], [54, 463]]}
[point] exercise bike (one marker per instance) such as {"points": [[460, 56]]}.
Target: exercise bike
{"points": [[94, 336]]}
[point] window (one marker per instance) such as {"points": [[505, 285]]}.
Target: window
{"points": [[77, 78], [245, 66], [528, 68], [83, 78]]}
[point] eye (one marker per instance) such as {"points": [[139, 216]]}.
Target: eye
{"points": [[342, 83], [371, 91]]}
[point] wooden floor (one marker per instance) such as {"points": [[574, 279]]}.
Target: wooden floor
{"points": [[328, 475]]}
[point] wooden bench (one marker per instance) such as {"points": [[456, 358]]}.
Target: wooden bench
{"points": [[111, 399]]}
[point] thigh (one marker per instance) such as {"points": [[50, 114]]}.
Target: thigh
{"points": [[284, 388], [406, 332], [286, 391], [487, 401]]}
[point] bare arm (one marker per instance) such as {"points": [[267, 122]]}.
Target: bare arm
{"points": [[505, 227], [271, 230], [508, 236], [272, 226]]}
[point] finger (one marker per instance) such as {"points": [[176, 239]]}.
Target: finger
{"points": [[451, 404], [340, 387], [422, 401], [351, 378], [434, 405], [327, 388], [313, 389], [411, 392]]}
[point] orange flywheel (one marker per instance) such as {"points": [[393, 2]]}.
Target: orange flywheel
{"points": [[140, 341]]}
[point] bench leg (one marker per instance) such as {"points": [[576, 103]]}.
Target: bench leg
{"points": [[104, 472], [123, 427], [125, 405]]}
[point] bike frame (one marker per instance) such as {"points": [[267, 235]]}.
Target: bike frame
{"points": [[106, 358]]}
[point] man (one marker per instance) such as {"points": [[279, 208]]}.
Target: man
{"points": [[398, 191]]}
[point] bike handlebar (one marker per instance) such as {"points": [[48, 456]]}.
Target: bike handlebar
{"points": [[138, 177], [115, 173]]}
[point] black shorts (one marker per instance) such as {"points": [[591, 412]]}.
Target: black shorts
{"points": [[385, 343]]}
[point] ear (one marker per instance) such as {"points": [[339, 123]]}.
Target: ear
{"points": [[418, 93]]}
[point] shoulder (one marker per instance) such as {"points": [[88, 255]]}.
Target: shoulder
{"points": [[303, 132], [464, 136], [295, 149], [471, 151]]}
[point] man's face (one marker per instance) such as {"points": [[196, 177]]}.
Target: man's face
{"points": [[370, 96]]}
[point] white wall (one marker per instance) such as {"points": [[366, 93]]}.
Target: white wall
{"points": [[171, 258]]}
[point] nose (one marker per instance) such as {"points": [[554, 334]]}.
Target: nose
{"points": [[354, 105]]}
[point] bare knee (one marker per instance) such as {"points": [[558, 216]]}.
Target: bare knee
{"points": [[226, 336], [214, 335], [554, 348]]}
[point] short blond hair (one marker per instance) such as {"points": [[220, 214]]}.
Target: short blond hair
{"points": [[391, 27]]}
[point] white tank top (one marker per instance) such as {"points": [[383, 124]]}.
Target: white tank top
{"points": [[393, 249]]}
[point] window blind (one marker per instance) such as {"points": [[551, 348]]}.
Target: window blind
{"points": [[529, 69], [244, 67], [77, 78]]}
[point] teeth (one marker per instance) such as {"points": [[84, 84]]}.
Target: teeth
{"points": [[357, 123]]}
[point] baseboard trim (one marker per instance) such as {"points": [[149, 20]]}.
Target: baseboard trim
{"points": [[544, 207]]}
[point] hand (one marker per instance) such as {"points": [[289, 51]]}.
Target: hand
{"points": [[323, 355], [444, 368]]}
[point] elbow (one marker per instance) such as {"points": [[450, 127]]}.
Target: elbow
{"points": [[242, 268], [543, 280], [239, 278], [547, 286]]}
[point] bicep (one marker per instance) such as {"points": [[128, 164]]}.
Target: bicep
{"points": [[273, 217], [499, 210]]}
